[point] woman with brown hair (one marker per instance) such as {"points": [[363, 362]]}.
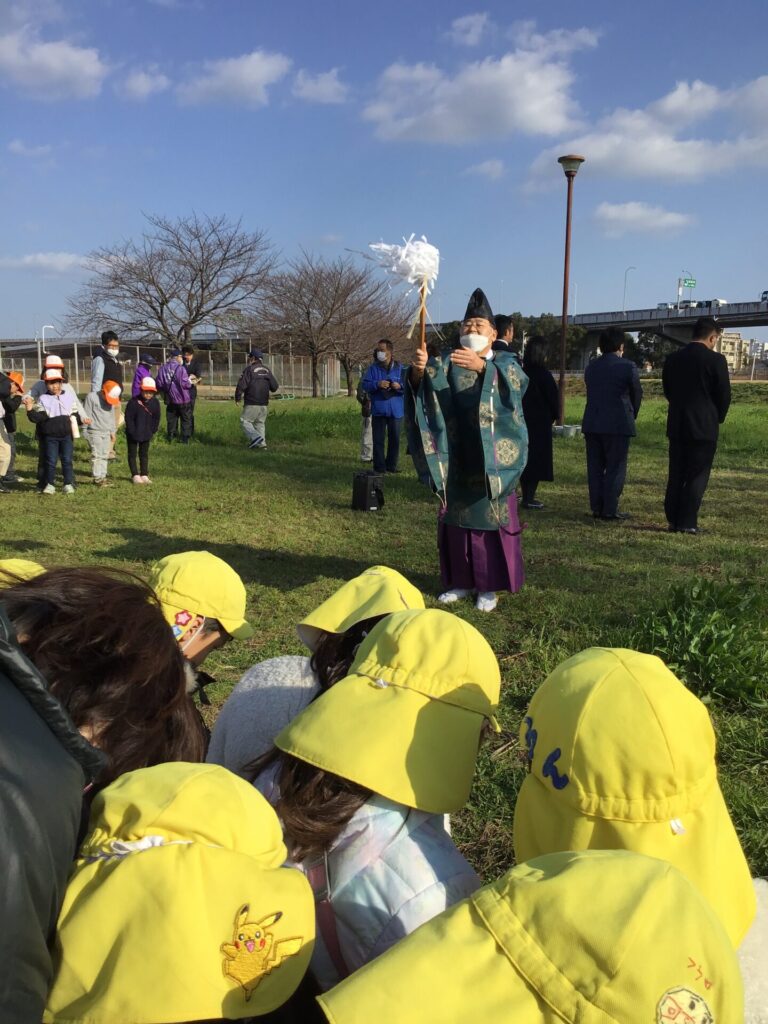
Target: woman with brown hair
{"points": [[101, 642], [362, 779]]}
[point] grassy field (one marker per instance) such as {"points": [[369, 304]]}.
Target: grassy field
{"points": [[282, 519]]}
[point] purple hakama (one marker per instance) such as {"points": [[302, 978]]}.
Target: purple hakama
{"points": [[482, 560]]}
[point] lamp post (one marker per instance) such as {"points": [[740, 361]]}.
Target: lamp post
{"points": [[46, 327], [570, 165], [624, 300]]}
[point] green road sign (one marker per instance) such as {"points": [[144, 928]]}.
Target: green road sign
{"points": [[689, 282]]}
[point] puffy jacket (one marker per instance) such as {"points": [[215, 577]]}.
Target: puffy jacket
{"points": [[52, 414], [104, 368], [142, 419], [387, 402], [391, 870], [173, 381], [45, 764], [256, 382]]}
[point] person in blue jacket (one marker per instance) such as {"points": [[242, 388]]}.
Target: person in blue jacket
{"points": [[383, 381]]}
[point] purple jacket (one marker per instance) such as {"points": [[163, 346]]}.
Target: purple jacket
{"points": [[142, 371], [173, 380]]}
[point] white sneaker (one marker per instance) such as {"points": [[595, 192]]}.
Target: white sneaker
{"points": [[146, 480], [452, 595], [137, 479], [486, 602], [69, 489], [49, 489]]}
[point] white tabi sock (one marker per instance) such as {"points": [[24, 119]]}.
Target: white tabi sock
{"points": [[452, 595]]}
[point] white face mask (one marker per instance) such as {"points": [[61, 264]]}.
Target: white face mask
{"points": [[477, 342], [382, 356], [114, 352]]}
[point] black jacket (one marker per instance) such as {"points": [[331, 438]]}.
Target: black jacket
{"points": [[10, 403], [698, 389], [142, 419], [255, 384], [45, 764], [113, 369], [540, 408], [613, 396]]}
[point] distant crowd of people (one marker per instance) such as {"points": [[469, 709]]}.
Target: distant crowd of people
{"points": [[297, 864]]}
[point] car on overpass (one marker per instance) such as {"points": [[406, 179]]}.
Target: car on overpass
{"points": [[713, 303], [764, 297]]}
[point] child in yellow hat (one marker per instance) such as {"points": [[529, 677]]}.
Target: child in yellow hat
{"points": [[179, 907], [362, 778], [271, 693], [595, 937], [622, 756]]}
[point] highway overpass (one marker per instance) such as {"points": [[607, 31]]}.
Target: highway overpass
{"points": [[676, 324]]}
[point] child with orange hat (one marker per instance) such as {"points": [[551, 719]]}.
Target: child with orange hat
{"points": [[11, 390], [142, 421], [100, 407], [53, 415]]}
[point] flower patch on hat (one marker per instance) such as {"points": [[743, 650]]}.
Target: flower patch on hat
{"points": [[253, 951], [683, 1006]]}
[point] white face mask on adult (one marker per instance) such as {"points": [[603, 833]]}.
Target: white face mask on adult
{"points": [[477, 342], [114, 352], [382, 356]]}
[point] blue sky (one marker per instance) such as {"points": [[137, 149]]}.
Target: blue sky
{"points": [[331, 124]]}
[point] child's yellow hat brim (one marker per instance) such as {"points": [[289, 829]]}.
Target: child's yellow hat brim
{"points": [[589, 938], [406, 721], [377, 591]]}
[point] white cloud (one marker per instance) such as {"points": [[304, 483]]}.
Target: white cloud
{"points": [[140, 85], [559, 42], [53, 70], [616, 219], [45, 262], [489, 99], [491, 169], [322, 88], [469, 30], [236, 79], [19, 148], [657, 141]]}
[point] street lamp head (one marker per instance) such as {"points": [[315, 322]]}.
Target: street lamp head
{"points": [[570, 164]]}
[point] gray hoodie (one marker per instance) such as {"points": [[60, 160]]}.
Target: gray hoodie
{"points": [[100, 412]]}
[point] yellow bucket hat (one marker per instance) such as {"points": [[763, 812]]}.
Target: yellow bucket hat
{"points": [[23, 568], [198, 583], [377, 591], [406, 721], [589, 938], [622, 756], [179, 908]]}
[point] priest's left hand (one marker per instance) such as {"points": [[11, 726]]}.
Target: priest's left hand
{"points": [[468, 359]]}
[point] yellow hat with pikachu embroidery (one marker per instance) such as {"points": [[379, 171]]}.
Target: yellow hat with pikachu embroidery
{"points": [[179, 907], [377, 591], [596, 937], [622, 756]]}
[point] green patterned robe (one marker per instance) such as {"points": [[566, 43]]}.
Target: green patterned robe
{"points": [[468, 438]]}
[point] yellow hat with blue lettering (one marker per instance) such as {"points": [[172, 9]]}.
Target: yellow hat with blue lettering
{"points": [[406, 721], [179, 907], [377, 591], [198, 583], [622, 756], [596, 937]]}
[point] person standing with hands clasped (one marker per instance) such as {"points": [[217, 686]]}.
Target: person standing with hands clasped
{"points": [[142, 421], [698, 389], [383, 381]]}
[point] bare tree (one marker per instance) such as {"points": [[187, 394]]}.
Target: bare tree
{"points": [[181, 273], [328, 307], [377, 313]]}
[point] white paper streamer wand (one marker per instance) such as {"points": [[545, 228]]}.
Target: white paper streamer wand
{"points": [[417, 263]]}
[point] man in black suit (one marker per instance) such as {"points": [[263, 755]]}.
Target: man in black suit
{"points": [[613, 402], [698, 389]]}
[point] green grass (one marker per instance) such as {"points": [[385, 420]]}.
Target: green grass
{"points": [[282, 519]]}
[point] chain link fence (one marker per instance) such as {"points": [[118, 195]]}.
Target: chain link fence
{"points": [[221, 370]]}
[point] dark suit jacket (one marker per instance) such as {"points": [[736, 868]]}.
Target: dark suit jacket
{"points": [[613, 396], [698, 389]]}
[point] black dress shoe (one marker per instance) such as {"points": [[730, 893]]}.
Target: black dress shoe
{"points": [[672, 529], [535, 505]]}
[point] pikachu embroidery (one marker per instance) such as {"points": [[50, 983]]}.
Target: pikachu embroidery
{"points": [[253, 952]]}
